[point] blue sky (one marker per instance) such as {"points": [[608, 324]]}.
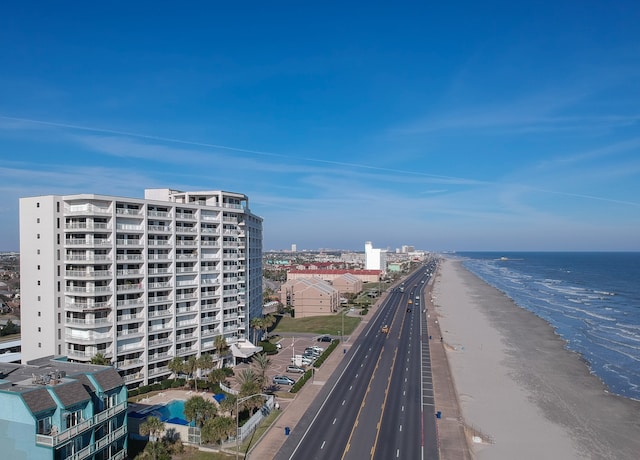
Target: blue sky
{"points": [[444, 125]]}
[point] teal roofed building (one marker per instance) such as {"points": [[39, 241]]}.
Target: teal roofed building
{"points": [[53, 409]]}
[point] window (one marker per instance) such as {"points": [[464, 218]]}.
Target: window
{"points": [[73, 418], [38, 282], [38, 204], [39, 314], [58, 206], [39, 301], [44, 425], [38, 251], [39, 329], [59, 337], [58, 223], [38, 236], [59, 318], [38, 220], [38, 267], [39, 344], [58, 270]]}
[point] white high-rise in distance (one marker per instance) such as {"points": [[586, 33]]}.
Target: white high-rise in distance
{"points": [[139, 280], [375, 259]]}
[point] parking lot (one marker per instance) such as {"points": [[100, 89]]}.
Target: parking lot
{"points": [[290, 346]]}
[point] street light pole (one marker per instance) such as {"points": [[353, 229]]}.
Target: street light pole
{"points": [[238, 401]]}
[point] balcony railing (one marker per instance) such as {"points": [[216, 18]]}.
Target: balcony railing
{"points": [[128, 212], [57, 439]]}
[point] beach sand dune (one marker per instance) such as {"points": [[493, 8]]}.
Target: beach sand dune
{"points": [[519, 385]]}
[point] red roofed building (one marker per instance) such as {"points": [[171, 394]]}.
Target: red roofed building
{"points": [[367, 276]]}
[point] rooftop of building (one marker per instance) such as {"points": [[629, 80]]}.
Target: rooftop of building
{"points": [[58, 373]]}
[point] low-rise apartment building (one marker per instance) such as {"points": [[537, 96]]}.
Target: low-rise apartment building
{"points": [[310, 297], [55, 410]]}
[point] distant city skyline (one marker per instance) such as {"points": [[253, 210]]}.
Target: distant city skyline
{"points": [[467, 126]]}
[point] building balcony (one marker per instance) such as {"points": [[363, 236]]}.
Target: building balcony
{"points": [[165, 355], [160, 285], [159, 370], [184, 337], [129, 272], [86, 242], [189, 269], [208, 307], [163, 257], [187, 296], [87, 306], [89, 226], [189, 230], [87, 258], [132, 242], [186, 256], [186, 350], [130, 363], [186, 243], [122, 228], [69, 433], [182, 324], [185, 216], [130, 287], [160, 313], [123, 319], [159, 342], [128, 212], [159, 299], [208, 294], [89, 339], [209, 320], [130, 303], [132, 332], [91, 290], [86, 210], [160, 327], [133, 377], [130, 347], [210, 244], [165, 243], [207, 332], [87, 322], [84, 274], [159, 229], [187, 310], [130, 257], [152, 213], [160, 271]]}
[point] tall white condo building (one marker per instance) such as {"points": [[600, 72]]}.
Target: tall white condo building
{"points": [[139, 280]]}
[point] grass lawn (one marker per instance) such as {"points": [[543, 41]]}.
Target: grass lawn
{"points": [[330, 325]]}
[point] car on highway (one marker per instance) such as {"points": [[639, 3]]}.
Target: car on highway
{"points": [[283, 380], [295, 369], [324, 338]]}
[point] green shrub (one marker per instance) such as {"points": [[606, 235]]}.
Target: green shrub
{"points": [[318, 362], [269, 348], [301, 381], [134, 392]]}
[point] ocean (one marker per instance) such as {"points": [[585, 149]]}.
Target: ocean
{"points": [[592, 300]]}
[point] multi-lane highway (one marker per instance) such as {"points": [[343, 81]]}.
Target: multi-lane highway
{"points": [[379, 405]]}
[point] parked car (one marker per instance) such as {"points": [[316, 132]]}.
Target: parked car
{"points": [[283, 380], [295, 369], [324, 338], [312, 351], [278, 345], [307, 361], [318, 349]]}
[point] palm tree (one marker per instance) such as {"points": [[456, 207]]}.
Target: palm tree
{"points": [[221, 346], [154, 451], [261, 364], [190, 367], [205, 362], [228, 405], [176, 365], [99, 359], [197, 410], [257, 324], [217, 376], [249, 385], [218, 429], [152, 427], [269, 321]]}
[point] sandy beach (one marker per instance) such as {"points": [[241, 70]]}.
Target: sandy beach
{"points": [[517, 383]]}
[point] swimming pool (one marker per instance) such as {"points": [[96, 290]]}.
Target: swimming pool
{"points": [[172, 412]]}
